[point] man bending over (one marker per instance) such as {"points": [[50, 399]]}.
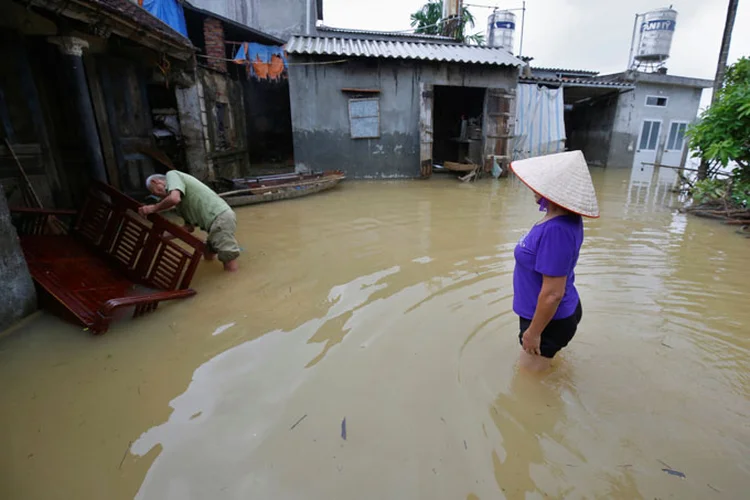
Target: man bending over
{"points": [[199, 206]]}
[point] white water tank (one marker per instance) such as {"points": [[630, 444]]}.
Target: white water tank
{"points": [[657, 29], [501, 29]]}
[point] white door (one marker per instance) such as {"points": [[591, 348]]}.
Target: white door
{"points": [[648, 141], [675, 144]]}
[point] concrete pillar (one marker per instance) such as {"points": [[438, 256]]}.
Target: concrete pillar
{"points": [[72, 52], [17, 294]]}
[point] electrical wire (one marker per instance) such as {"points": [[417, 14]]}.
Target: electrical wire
{"points": [[338, 61], [490, 7]]}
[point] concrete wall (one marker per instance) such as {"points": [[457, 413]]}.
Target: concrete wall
{"points": [[632, 110], [192, 116], [281, 18], [225, 114], [17, 294], [320, 115], [210, 150]]}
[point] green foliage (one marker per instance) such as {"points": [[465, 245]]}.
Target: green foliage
{"points": [[709, 190], [736, 190], [427, 21], [723, 133], [740, 188]]}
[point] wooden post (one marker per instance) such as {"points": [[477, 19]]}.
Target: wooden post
{"points": [[425, 129], [721, 67], [102, 120]]}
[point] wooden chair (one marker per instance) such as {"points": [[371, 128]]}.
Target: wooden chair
{"points": [[111, 260]]}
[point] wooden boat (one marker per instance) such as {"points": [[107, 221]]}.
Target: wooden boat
{"points": [[459, 167], [279, 187]]}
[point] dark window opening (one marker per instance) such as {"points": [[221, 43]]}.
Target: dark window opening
{"points": [[223, 139], [653, 100], [166, 131]]}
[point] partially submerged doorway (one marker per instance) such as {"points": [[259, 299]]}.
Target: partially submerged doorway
{"points": [[648, 141], [457, 124], [465, 128]]}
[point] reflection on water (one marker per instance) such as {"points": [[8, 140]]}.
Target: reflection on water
{"points": [[388, 305], [651, 187]]}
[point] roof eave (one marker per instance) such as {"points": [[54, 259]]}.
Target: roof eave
{"points": [[397, 58], [386, 34], [408, 50], [591, 84], [94, 13], [658, 79], [577, 72]]}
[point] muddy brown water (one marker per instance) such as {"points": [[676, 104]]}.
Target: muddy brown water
{"points": [[388, 304]]}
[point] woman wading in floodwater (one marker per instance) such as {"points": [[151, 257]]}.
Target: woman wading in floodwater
{"points": [[544, 293]]}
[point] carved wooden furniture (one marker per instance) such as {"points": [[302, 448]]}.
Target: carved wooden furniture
{"points": [[112, 260]]}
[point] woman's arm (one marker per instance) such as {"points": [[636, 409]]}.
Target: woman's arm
{"points": [[553, 290]]}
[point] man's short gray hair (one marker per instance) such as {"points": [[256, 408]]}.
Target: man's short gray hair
{"points": [[155, 177]]}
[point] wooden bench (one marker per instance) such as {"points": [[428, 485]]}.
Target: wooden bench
{"points": [[111, 261]]}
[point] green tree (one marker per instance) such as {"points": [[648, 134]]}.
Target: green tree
{"points": [[722, 135], [427, 21]]}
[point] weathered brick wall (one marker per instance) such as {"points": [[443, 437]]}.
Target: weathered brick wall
{"points": [[17, 295], [213, 32]]}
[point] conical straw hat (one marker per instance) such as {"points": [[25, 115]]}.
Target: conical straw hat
{"points": [[561, 178]]}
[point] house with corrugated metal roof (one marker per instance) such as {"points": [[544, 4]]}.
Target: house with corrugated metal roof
{"points": [[628, 119], [559, 109], [392, 105], [379, 104]]}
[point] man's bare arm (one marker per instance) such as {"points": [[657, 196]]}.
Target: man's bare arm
{"points": [[171, 200]]}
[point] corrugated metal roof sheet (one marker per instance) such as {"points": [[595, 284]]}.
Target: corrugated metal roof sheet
{"points": [[459, 53], [388, 34], [581, 82], [564, 70]]}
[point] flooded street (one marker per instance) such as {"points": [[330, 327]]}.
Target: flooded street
{"points": [[367, 349]]}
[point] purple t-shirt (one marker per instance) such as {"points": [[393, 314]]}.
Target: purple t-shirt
{"points": [[550, 248]]}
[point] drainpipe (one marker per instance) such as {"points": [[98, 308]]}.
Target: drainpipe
{"points": [[72, 52]]}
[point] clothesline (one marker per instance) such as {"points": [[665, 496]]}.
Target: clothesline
{"points": [[238, 43], [339, 61]]}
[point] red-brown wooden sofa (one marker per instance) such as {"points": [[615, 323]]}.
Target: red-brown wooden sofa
{"points": [[111, 260]]}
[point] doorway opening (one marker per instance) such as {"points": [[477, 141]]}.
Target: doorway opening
{"points": [[166, 131], [457, 125], [589, 120]]}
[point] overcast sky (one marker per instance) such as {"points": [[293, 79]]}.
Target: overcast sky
{"points": [[580, 34]]}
